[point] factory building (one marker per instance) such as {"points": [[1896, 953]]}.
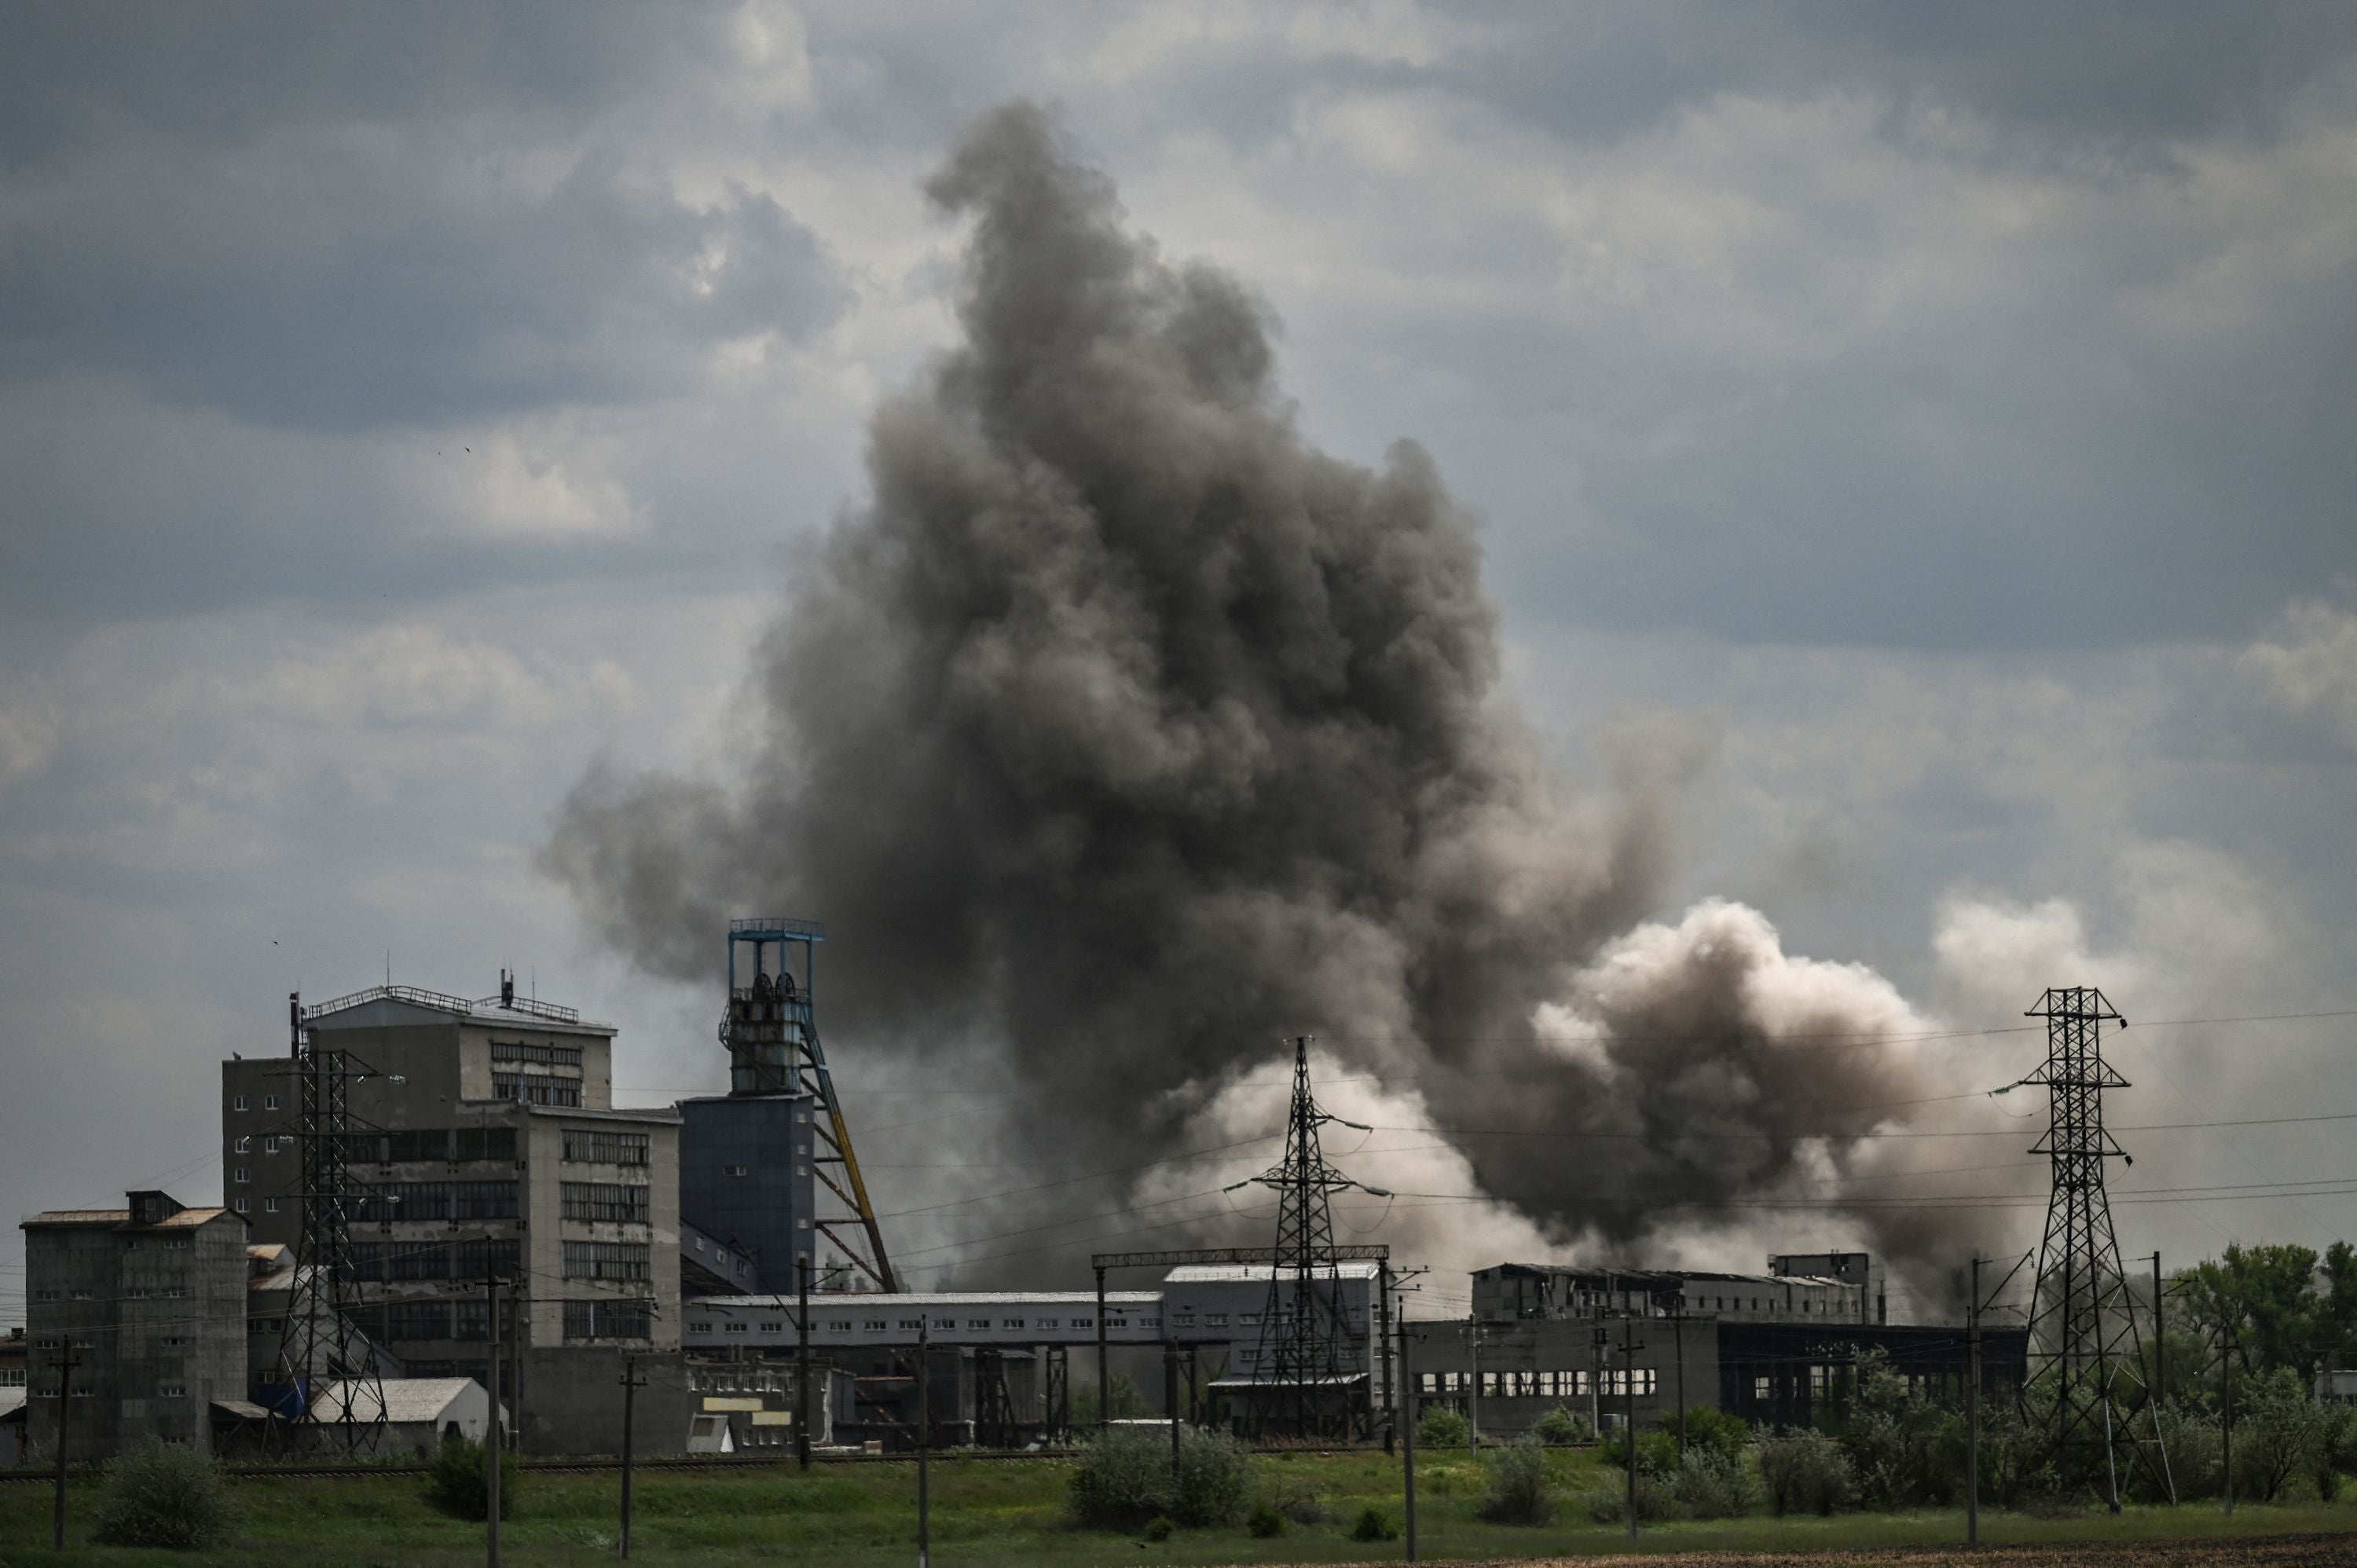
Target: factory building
{"points": [[1507, 1375], [148, 1302], [485, 1143], [1848, 1290]]}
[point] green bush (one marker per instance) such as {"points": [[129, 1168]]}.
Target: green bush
{"points": [[1160, 1527], [160, 1494], [1805, 1471], [1712, 1483], [1374, 1525], [1518, 1484], [457, 1484], [1560, 1427], [1655, 1500], [1123, 1479], [1265, 1523], [1716, 1431], [1657, 1453], [2281, 1434], [1441, 1428]]}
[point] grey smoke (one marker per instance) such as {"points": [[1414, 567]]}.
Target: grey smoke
{"points": [[1123, 732]]}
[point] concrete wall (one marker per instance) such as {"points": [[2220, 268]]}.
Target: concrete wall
{"points": [[1515, 1361], [573, 1403]]}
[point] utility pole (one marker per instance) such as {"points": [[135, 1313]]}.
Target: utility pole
{"points": [[1170, 1396], [631, 1384], [1630, 1345], [2159, 1340], [1407, 1437], [519, 1336], [1678, 1337], [491, 1450], [1384, 1338], [803, 1366], [1972, 1413], [924, 1444], [1473, 1391], [1105, 1389], [65, 1361], [2226, 1424]]}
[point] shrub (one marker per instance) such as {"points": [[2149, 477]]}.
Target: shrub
{"points": [[1265, 1523], [2280, 1433], [1713, 1484], [1518, 1484], [1560, 1427], [1805, 1472], [457, 1487], [1716, 1431], [1441, 1428], [1123, 1479], [1160, 1527], [1657, 1453], [160, 1494], [1610, 1505], [1374, 1525]]}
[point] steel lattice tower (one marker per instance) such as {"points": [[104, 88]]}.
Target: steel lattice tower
{"points": [[2086, 1383], [1309, 1356], [320, 1342], [771, 1033]]}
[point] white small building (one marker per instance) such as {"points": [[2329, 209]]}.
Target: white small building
{"points": [[420, 1413]]}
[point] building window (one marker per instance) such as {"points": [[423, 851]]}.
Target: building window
{"points": [[1762, 1390], [544, 1056], [244, 1205], [736, 1170], [607, 1261], [734, 1328], [243, 1175], [244, 1144], [605, 1202], [269, 1146], [536, 1091], [269, 1206], [912, 1324], [592, 1146], [172, 1390], [270, 1103], [611, 1319], [237, 1102], [874, 1325], [779, 1327]]}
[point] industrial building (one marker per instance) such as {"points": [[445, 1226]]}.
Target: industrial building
{"points": [[136, 1323], [483, 1142], [1824, 1287]]}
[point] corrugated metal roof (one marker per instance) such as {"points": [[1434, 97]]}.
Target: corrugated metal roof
{"points": [[1246, 1274], [79, 1217], [406, 1399], [854, 1301]]}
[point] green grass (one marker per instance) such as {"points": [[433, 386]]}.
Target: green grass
{"points": [[1007, 1513]]}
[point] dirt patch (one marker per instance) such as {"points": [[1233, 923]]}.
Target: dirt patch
{"points": [[2245, 1551]]}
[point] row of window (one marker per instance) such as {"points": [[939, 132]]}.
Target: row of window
{"points": [[165, 1243], [244, 1205], [1572, 1383], [598, 1147], [269, 1145], [393, 1200], [535, 1090], [398, 1320], [605, 1201], [624, 1260], [474, 1258], [915, 1325], [165, 1293], [544, 1056], [237, 1102], [431, 1143], [609, 1319]]}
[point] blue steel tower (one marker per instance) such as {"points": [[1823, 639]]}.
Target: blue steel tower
{"points": [[771, 1164]]}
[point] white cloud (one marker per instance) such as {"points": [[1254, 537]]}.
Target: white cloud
{"points": [[2308, 665]]}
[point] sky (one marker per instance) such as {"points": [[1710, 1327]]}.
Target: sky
{"points": [[1924, 434]]}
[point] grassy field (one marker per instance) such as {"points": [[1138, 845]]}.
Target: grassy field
{"points": [[1008, 1513]]}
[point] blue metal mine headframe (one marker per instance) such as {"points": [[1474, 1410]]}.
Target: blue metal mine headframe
{"points": [[771, 1033]]}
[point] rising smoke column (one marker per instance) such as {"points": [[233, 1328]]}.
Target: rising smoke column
{"points": [[1125, 731]]}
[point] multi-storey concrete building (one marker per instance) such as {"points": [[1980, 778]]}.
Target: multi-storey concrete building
{"points": [[484, 1144], [149, 1301]]}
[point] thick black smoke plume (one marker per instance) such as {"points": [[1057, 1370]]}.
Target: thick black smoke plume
{"points": [[1126, 731]]}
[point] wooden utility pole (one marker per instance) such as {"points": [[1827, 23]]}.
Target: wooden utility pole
{"points": [[1407, 1437], [1973, 1413], [1473, 1389], [1630, 1345], [491, 1449], [1170, 1395], [1384, 1338], [631, 1383], [1678, 1337], [2159, 1341], [924, 1444], [65, 1361], [803, 1366]]}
